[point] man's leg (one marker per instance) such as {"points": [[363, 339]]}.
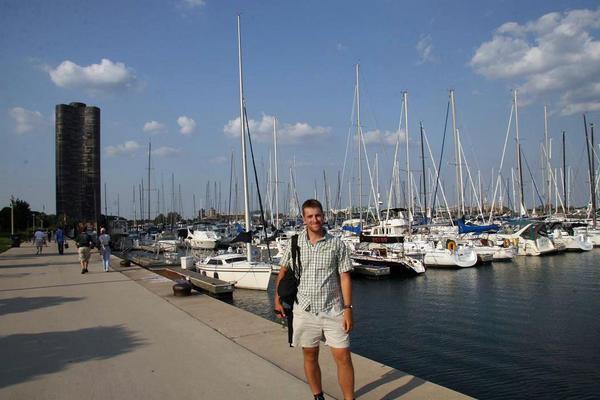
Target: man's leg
{"points": [[345, 370], [312, 369]]}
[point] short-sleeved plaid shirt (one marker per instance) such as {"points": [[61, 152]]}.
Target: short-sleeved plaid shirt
{"points": [[322, 264]]}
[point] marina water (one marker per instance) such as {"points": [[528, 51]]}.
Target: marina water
{"points": [[520, 330]]}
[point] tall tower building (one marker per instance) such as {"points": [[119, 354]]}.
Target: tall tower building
{"points": [[77, 163]]}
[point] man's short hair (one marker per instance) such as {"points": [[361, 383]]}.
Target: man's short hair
{"points": [[312, 203]]}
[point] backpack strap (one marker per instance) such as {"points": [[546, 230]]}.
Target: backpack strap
{"points": [[296, 264]]}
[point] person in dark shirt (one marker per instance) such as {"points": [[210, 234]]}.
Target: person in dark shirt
{"points": [[84, 244], [60, 240]]}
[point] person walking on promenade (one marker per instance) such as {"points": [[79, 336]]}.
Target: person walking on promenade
{"points": [[104, 241], [38, 239], [324, 300], [60, 240], [84, 244]]}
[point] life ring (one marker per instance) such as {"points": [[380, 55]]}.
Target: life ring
{"points": [[451, 245], [506, 243]]}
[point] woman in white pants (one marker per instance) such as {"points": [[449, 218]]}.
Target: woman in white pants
{"points": [[104, 240]]}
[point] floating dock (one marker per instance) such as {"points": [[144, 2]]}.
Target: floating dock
{"points": [[213, 286]]}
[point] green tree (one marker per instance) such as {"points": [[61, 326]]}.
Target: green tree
{"points": [[22, 215]]}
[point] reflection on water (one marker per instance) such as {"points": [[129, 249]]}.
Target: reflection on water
{"points": [[527, 329]]}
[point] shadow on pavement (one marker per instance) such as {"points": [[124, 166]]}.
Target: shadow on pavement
{"points": [[22, 304], [37, 265], [32, 355], [387, 378], [14, 275]]}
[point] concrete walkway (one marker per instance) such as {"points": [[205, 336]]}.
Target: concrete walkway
{"points": [[122, 335]]}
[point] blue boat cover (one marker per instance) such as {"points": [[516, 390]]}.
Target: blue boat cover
{"points": [[462, 228], [354, 229]]}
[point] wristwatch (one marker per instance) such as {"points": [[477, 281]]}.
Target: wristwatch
{"points": [[347, 306]]}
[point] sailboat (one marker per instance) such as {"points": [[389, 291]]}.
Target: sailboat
{"points": [[239, 270]]}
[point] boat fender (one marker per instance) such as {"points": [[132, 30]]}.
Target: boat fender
{"points": [[216, 275], [506, 243], [451, 245]]}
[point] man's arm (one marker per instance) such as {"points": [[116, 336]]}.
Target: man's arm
{"points": [[278, 307], [346, 283]]}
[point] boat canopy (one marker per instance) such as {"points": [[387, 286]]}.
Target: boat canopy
{"points": [[462, 228], [354, 229]]}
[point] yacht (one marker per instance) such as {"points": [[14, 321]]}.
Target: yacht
{"points": [[236, 269]]}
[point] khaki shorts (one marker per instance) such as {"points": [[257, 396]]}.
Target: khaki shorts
{"points": [[309, 329], [84, 253]]}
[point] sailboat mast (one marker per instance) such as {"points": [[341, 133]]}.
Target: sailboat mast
{"points": [[519, 166], [548, 162], [424, 176], [149, 153], [564, 159], [408, 176], [243, 139], [457, 159], [276, 175], [359, 131]]}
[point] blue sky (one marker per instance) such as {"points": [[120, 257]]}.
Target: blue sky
{"points": [[167, 71]]}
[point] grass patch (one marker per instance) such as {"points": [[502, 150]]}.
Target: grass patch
{"points": [[4, 244]]}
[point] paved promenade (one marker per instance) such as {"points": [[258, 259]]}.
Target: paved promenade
{"points": [[123, 335]]}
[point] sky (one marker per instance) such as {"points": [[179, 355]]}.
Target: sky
{"points": [[167, 72]]}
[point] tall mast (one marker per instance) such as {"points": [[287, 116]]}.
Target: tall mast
{"points": [[457, 159], [276, 175], [149, 152], [230, 187], [105, 196], [243, 139], [408, 177], [424, 176], [519, 166], [548, 158], [564, 159], [359, 131]]}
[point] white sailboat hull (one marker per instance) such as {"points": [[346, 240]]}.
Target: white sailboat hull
{"points": [[443, 258]]}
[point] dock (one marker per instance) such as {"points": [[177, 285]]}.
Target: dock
{"points": [[205, 283], [122, 334]]}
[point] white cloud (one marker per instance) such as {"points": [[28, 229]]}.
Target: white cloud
{"points": [[425, 49], [262, 131], [187, 124], [107, 75], [153, 127], [127, 148], [378, 137], [194, 3], [166, 151], [27, 121], [556, 54]]}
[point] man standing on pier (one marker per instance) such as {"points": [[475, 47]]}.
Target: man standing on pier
{"points": [[324, 300]]}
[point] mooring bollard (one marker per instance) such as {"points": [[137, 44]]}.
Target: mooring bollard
{"points": [[125, 263], [182, 288]]}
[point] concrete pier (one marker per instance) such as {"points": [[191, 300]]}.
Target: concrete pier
{"points": [[123, 335]]}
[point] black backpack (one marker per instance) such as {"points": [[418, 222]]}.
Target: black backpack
{"points": [[288, 286]]}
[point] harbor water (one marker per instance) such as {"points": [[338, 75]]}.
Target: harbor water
{"points": [[520, 330]]}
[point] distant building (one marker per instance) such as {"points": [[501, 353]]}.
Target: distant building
{"points": [[78, 163]]}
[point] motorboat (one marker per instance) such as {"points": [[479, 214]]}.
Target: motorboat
{"points": [[236, 269], [201, 239], [381, 256], [533, 240]]}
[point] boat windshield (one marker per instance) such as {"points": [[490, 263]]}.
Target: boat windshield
{"points": [[236, 259]]}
